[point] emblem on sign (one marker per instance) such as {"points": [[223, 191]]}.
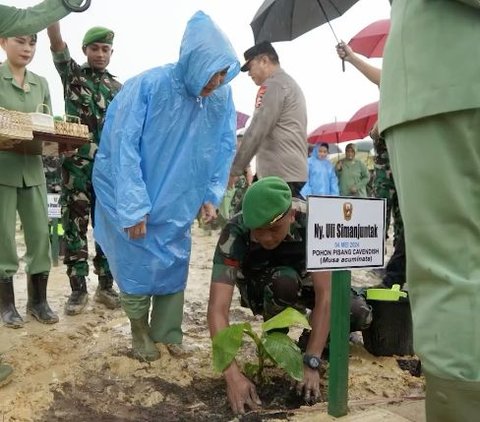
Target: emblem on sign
{"points": [[347, 211]]}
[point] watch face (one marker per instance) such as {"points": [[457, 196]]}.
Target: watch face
{"points": [[311, 361]]}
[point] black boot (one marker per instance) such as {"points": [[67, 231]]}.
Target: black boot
{"points": [[106, 294], [10, 316], [79, 297], [37, 304]]}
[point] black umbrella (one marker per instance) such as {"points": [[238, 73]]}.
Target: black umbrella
{"points": [[285, 20]]}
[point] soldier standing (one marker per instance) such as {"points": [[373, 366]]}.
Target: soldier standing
{"points": [[383, 183], [88, 90]]}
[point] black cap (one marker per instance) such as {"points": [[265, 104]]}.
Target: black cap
{"points": [[263, 48]]}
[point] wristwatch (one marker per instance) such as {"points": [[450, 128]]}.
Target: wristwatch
{"points": [[312, 361]]}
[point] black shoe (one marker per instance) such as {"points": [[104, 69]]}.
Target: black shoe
{"points": [[79, 297]]}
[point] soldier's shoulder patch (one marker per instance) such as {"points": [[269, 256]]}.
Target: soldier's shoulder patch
{"points": [[260, 94]]}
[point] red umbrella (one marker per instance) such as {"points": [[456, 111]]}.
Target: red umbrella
{"points": [[371, 39], [332, 133], [363, 120]]}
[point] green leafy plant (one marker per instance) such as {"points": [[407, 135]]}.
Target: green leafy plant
{"points": [[272, 345]]}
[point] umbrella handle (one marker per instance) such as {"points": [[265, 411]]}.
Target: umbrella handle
{"points": [[343, 65], [73, 8]]}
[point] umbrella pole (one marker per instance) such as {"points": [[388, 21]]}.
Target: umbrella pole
{"points": [[331, 28], [336, 136]]}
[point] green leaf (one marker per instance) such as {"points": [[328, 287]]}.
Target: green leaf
{"points": [[285, 353], [286, 318], [225, 345]]}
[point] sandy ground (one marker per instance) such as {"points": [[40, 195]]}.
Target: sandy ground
{"points": [[82, 368]]}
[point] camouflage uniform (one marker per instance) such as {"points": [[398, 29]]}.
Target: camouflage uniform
{"points": [[53, 174], [384, 187], [241, 186], [258, 272], [87, 95]]}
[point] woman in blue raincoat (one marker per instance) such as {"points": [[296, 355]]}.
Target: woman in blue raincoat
{"points": [[322, 179], [165, 153]]}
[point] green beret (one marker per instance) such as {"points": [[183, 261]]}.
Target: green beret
{"points": [[98, 34], [265, 201]]}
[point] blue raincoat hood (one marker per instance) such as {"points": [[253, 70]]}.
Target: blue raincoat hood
{"points": [[165, 151], [199, 55]]}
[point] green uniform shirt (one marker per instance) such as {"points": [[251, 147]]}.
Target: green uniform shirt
{"points": [[87, 92], [14, 21], [353, 173], [18, 169], [236, 251]]}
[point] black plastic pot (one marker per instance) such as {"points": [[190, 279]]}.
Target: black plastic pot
{"points": [[390, 332]]}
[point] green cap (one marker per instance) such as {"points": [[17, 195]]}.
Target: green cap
{"points": [[265, 202], [98, 34]]}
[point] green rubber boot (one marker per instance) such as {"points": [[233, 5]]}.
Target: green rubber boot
{"points": [[167, 317], [452, 400], [137, 308], [6, 372], [143, 346]]}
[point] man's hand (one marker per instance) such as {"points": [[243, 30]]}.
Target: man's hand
{"points": [[310, 386], [138, 230], [339, 165], [208, 212], [240, 392], [344, 51], [353, 190]]}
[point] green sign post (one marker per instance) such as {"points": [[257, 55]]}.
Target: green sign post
{"points": [[339, 344]]}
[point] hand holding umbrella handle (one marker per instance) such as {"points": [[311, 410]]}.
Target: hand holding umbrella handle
{"points": [[74, 8]]}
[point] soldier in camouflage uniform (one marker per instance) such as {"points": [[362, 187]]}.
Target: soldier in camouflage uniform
{"points": [[384, 187], [383, 184], [53, 174], [88, 90], [262, 251]]}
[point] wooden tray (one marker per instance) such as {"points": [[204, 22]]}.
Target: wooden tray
{"points": [[54, 144]]}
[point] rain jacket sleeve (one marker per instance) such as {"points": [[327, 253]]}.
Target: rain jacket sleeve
{"points": [[263, 122], [306, 190], [132, 202], [218, 182], [334, 190]]}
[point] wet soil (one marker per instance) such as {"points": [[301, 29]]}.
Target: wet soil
{"points": [[202, 400], [81, 369]]}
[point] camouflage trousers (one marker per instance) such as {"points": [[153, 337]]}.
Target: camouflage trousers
{"points": [[78, 205], [384, 187], [269, 292]]}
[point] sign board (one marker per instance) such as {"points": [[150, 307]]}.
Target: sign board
{"points": [[345, 233], [54, 207]]}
